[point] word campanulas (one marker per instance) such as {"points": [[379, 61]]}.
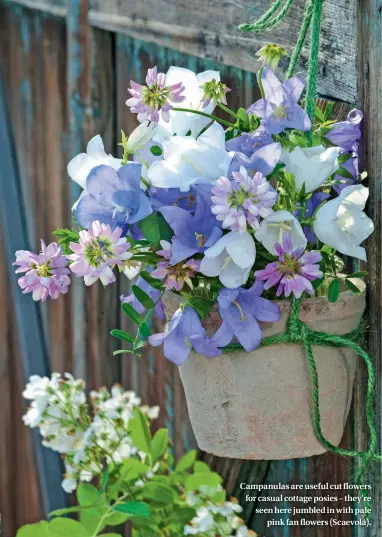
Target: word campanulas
{"points": [[298, 486]]}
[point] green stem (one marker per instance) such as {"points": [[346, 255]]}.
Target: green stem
{"points": [[198, 112], [226, 109], [260, 82]]}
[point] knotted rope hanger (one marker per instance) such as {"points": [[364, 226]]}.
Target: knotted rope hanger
{"points": [[297, 331]]}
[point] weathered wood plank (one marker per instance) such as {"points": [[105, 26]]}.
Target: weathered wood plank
{"points": [[53, 7], [369, 25], [208, 29], [30, 333]]}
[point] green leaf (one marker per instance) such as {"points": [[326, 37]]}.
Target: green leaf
{"points": [[69, 510], [210, 480], [65, 527], [334, 291], [144, 330], [110, 535], [124, 336], [133, 469], [41, 529], [158, 493], [186, 461], [344, 158], [65, 237], [88, 496], [156, 284], [329, 110], [359, 274], [132, 314], [140, 432], [143, 298], [344, 173], [202, 306], [155, 228], [317, 283], [116, 519], [181, 515], [201, 467], [159, 444], [353, 287], [137, 509], [319, 114], [156, 150]]}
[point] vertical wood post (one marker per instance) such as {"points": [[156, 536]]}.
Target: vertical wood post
{"points": [[80, 131], [369, 46], [34, 358]]}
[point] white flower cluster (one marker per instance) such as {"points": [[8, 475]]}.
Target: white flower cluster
{"points": [[59, 409], [215, 519]]}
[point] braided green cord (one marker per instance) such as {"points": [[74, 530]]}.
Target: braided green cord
{"points": [[313, 59], [301, 38], [298, 332], [264, 18]]}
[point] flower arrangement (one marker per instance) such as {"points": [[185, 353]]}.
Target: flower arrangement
{"points": [[134, 470], [229, 212], [227, 215]]}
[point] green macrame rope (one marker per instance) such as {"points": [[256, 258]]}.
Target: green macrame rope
{"points": [[312, 17], [266, 22], [298, 332], [301, 39]]}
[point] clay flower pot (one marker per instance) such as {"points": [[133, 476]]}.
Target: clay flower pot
{"points": [[258, 405]]}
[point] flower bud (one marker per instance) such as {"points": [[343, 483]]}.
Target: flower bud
{"points": [[271, 54], [140, 136]]}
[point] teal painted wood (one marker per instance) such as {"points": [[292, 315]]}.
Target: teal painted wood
{"points": [[30, 331]]}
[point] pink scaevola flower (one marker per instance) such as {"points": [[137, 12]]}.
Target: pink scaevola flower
{"points": [[46, 273], [243, 200], [293, 272], [174, 276], [148, 101], [98, 251]]}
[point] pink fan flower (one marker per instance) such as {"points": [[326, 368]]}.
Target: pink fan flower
{"points": [[293, 271], [242, 200], [174, 276], [148, 101], [46, 272], [97, 253]]}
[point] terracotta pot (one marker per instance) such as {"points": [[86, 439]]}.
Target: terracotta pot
{"points": [[258, 405]]}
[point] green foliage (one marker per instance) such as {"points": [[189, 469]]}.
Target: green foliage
{"points": [[59, 527], [124, 336], [137, 509], [156, 150], [89, 496], [334, 290], [132, 314], [140, 432], [202, 306], [155, 228], [159, 444], [65, 237], [186, 461], [143, 297], [154, 282]]}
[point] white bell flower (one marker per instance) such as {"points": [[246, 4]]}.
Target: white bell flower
{"points": [[181, 123], [81, 165], [188, 161], [342, 224], [231, 258], [273, 227], [311, 165], [141, 136]]}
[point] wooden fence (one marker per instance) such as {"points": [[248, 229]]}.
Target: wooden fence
{"points": [[66, 66]]}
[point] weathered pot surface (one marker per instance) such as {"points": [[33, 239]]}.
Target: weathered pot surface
{"points": [[258, 405]]}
